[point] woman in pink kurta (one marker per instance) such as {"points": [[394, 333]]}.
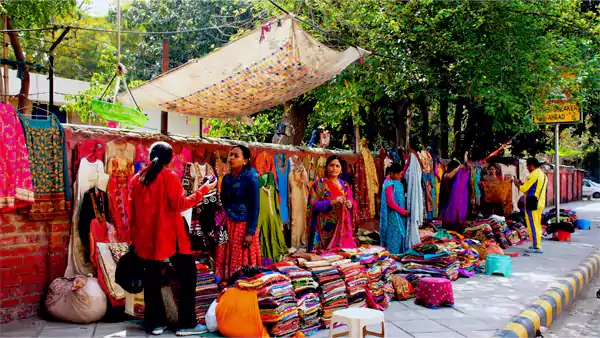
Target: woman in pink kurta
{"points": [[16, 184]]}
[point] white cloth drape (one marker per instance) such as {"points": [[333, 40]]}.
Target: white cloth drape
{"points": [[414, 200]]}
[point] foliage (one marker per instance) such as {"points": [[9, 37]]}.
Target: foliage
{"points": [[81, 102], [222, 19], [257, 128], [35, 14]]}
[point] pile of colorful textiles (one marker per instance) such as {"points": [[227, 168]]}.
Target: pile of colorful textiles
{"points": [[431, 260], [566, 215], [333, 289], [207, 290], [355, 279], [467, 261], [501, 232], [481, 231], [307, 296], [276, 301], [377, 297]]}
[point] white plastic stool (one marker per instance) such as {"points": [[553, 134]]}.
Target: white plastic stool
{"points": [[357, 319]]}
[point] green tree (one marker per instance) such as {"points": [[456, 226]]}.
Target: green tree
{"points": [[30, 14]]}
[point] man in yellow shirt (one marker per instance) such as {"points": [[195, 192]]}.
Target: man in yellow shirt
{"points": [[534, 186]]}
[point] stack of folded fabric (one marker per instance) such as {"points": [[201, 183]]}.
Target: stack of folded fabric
{"points": [[307, 296], [431, 260], [388, 268], [355, 279], [481, 231], [333, 289], [378, 298], [518, 227], [276, 301], [207, 290], [467, 261], [501, 231]]}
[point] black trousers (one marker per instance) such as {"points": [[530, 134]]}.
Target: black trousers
{"points": [[185, 273]]}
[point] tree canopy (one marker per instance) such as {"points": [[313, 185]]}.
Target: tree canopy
{"points": [[455, 76]]}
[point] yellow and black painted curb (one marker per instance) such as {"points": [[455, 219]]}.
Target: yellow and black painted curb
{"points": [[547, 308]]}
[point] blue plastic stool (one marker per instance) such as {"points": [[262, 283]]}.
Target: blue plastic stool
{"points": [[583, 224], [498, 264]]}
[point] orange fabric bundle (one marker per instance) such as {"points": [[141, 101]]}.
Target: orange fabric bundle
{"points": [[497, 192], [404, 290], [239, 306]]}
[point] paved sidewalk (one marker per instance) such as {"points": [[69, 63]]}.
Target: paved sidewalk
{"points": [[484, 304]]}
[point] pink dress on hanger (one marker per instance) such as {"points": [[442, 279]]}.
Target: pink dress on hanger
{"points": [[16, 184]]}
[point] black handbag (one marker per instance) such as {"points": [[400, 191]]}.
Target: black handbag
{"points": [[130, 272], [532, 202]]}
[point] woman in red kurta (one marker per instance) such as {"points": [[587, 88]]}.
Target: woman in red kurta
{"points": [[158, 232]]}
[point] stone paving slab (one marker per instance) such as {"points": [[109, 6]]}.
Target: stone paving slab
{"points": [[483, 304]]}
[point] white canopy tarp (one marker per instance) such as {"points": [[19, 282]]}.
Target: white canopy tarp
{"points": [[267, 67]]}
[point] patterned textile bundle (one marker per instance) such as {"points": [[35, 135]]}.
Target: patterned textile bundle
{"points": [[520, 228], [207, 290], [500, 231], [333, 290], [431, 260], [307, 296], [276, 301], [356, 282], [481, 231], [376, 285]]}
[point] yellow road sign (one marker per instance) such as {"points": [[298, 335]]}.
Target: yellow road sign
{"points": [[559, 112]]}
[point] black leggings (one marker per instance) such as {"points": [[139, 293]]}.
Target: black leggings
{"points": [[185, 273]]}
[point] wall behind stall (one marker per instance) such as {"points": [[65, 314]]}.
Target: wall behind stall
{"points": [[33, 253]]}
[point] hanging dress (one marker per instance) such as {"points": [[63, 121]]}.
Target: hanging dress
{"points": [[414, 200], [48, 162], [272, 241], [363, 211], [372, 180], [120, 171], [16, 181], [222, 168], [298, 185], [179, 161], [283, 171], [330, 227], [142, 157], [208, 228], [78, 261]]}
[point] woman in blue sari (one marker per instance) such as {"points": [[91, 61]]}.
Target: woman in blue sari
{"points": [[392, 219]]}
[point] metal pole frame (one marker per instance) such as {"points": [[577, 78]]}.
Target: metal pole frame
{"points": [[557, 169]]}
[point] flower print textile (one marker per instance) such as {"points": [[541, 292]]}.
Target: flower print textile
{"points": [[47, 159], [16, 182]]}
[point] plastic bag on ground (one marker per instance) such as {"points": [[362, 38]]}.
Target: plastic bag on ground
{"points": [[77, 300], [211, 317]]}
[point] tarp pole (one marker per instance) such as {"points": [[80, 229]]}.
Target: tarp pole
{"points": [[557, 170], [164, 116]]}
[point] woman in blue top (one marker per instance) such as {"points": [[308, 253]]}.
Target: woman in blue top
{"points": [[240, 198], [392, 221]]}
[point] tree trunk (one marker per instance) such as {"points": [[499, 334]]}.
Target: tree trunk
{"points": [[444, 126], [423, 107], [16, 45], [400, 122], [295, 120], [458, 119]]}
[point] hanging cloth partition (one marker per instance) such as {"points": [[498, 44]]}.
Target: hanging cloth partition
{"points": [[269, 66]]}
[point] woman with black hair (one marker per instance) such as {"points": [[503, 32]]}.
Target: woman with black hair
{"points": [[240, 199], [158, 233], [331, 206], [392, 217]]}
